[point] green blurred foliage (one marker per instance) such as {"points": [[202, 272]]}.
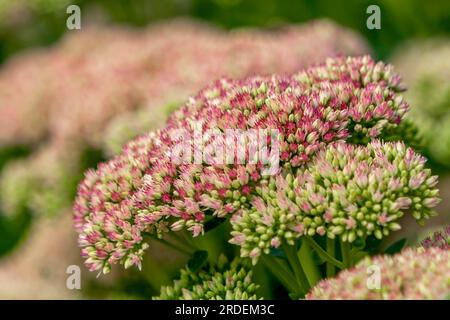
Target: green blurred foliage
{"points": [[12, 228], [40, 22]]}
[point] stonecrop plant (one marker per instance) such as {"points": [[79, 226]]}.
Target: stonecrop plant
{"points": [[310, 178], [171, 61]]}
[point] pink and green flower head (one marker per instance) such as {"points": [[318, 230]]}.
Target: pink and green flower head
{"points": [[143, 191], [413, 274]]}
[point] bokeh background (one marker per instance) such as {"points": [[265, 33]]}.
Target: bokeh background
{"points": [[71, 99]]}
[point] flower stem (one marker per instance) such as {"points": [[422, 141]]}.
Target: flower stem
{"points": [[345, 250], [179, 238], [331, 248], [308, 264], [281, 272], [323, 253], [172, 245], [302, 280]]}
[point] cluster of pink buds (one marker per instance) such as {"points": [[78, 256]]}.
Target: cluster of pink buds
{"points": [[145, 191], [414, 274]]}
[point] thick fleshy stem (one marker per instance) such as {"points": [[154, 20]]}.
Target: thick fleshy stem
{"points": [[282, 273], [171, 245], [345, 251], [309, 265], [331, 248], [323, 253], [291, 254]]}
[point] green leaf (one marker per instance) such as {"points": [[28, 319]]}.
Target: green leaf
{"points": [[198, 260], [396, 247]]}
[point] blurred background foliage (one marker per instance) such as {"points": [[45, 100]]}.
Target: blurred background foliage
{"points": [[26, 23]]}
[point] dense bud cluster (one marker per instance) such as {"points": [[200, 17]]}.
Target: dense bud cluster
{"points": [[169, 62], [142, 190], [347, 191], [230, 281], [411, 274]]}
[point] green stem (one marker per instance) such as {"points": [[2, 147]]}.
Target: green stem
{"points": [[181, 242], [322, 252], [291, 254], [281, 273], [331, 248], [188, 239], [345, 250], [308, 264]]}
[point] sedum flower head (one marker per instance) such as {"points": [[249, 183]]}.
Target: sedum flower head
{"points": [[143, 190], [230, 281], [411, 274], [426, 68], [347, 191], [439, 239]]}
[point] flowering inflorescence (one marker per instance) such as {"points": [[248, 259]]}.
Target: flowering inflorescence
{"points": [[411, 274], [143, 190], [226, 280], [347, 191], [439, 239], [127, 95]]}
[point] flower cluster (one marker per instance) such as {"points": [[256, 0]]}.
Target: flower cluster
{"points": [[411, 274], [142, 190], [439, 239], [170, 61], [226, 280], [347, 191], [426, 67]]}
